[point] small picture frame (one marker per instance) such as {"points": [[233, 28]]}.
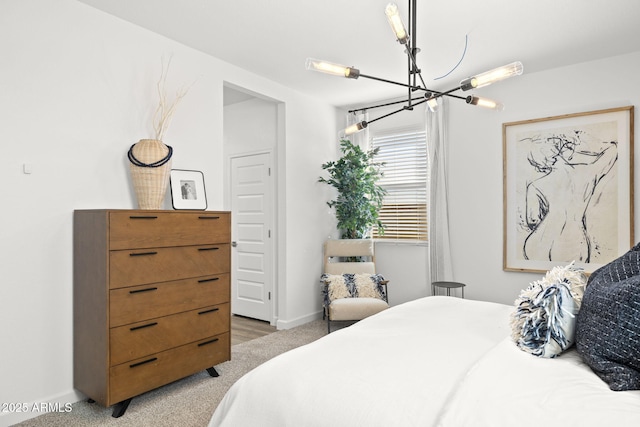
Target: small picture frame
{"points": [[187, 190]]}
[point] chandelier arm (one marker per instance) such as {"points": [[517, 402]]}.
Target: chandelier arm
{"points": [[392, 82], [378, 106], [366, 123], [434, 94], [392, 113], [454, 96], [422, 101]]}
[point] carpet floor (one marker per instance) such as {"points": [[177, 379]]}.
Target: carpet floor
{"points": [[192, 400]]}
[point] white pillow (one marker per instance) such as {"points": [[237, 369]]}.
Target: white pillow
{"points": [[544, 321]]}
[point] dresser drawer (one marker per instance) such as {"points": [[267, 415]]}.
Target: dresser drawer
{"points": [[133, 304], [152, 336], [138, 267], [138, 376], [150, 229]]}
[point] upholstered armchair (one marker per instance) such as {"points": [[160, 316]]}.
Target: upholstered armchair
{"points": [[352, 290]]}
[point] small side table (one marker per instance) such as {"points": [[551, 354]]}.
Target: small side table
{"points": [[448, 286]]}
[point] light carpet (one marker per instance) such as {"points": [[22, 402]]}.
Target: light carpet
{"points": [[192, 400]]}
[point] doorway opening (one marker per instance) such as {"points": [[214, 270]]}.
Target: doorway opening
{"points": [[252, 131]]}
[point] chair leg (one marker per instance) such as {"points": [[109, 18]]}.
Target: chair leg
{"points": [[328, 325]]}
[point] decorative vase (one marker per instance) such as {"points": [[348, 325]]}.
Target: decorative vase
{"points": [[150, 166]]}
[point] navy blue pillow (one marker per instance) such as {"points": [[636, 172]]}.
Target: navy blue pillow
{"points": [[608, 324]]}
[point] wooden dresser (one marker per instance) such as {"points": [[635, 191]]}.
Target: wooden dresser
{"points": [[151, 299]]}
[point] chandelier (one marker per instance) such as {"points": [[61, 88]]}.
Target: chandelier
{"points": [[418, 93]]}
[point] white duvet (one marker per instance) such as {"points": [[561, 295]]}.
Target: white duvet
{"points": [[508, 387], [437, 361]]}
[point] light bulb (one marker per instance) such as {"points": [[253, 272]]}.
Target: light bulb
{"points": [[484, 102], [432, 103], [492, 76], [332, 68], [393, 16], [355, 128]]}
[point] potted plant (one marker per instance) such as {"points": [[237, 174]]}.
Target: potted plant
{"points": [[355, 176]]}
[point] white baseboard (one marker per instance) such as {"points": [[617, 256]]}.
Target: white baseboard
{"points": [[288, 324], [17, 412]]}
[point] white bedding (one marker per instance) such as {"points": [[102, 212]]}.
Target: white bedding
{"points": [[437, 361], [518, 389], [394, 368]]}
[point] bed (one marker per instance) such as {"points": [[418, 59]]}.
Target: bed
{"points": [[436, 361]]}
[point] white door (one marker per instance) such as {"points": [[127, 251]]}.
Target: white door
{"points": [[252, 254]]}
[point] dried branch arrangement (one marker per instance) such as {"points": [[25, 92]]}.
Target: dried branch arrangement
{"points": [[165, 110]]}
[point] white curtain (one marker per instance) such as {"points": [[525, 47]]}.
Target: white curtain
{"points": [[440, 265], [361, 139]]}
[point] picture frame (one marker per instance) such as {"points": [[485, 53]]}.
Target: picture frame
{"points": [[187, 190], [568, 190]]}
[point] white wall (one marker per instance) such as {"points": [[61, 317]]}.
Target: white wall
{"points": [[476, 159], [78, 88], [406, 268], [307, 219], [250, 126]]}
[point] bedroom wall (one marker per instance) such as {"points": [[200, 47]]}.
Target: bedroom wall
{"points": [[261, 135], [78, 88], [476, 159]]}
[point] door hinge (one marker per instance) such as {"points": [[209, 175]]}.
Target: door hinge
{"points": [[269, 295], [269, 169], [269, 233]]}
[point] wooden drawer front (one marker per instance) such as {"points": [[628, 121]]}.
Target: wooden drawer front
{"points": [[138, 267], [152, 336], [151, 229], [138, 376], [129, 305]]}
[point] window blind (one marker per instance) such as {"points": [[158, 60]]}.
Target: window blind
{"points": [[404, 210]]}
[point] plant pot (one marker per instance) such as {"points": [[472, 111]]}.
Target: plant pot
{"points": [[150, 166]]}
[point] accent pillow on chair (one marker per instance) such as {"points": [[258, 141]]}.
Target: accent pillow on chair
{"points": [[543, 323], [608, 325], [352, 286]]}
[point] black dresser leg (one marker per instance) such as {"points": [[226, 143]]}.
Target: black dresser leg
{"points": [[212, 371], [120, 408]]}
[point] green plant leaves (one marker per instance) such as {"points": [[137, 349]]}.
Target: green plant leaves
{"points": [[359, 200]]}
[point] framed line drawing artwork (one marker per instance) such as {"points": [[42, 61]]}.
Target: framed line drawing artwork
{"points": [[187, 189], [568, 190]]}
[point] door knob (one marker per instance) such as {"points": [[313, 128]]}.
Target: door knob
{"points": [[234, 244]]}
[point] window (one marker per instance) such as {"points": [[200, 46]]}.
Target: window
{"points": [[404, 210]]}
